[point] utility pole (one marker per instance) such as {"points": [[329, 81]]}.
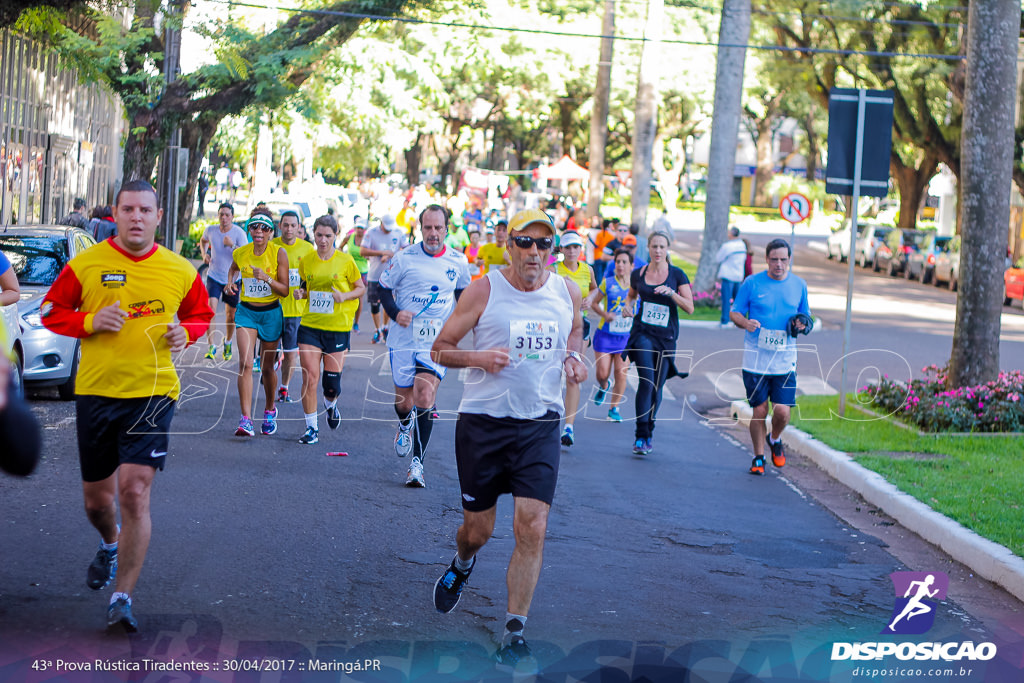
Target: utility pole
{"points": [[734, 32], [599, 119], [168, 176]]}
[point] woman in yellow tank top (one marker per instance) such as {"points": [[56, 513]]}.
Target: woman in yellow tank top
{"points": [[583, 275], [264, 270]]}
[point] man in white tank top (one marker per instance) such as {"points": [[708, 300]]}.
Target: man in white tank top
{"points": [[527, 331]]}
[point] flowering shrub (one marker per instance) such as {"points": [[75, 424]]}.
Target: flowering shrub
{"points": [[712, 299], [997, 406]]}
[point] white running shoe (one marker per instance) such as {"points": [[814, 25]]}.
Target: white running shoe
{"points": [[403, 440], [414, 477]]}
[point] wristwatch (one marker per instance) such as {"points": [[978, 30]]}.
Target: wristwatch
{"points": [[573, 354]]}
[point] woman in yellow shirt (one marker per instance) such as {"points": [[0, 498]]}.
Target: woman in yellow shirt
{"points": [[332, 284], [264, 270]]}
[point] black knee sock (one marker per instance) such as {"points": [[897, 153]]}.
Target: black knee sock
{"points": [[403, 416], [424, 425]]}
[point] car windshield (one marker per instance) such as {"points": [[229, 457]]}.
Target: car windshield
{"points": [[37, 261], [305, 208]]}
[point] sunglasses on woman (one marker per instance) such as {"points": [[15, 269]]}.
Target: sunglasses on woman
{"points": [[543, 243]]}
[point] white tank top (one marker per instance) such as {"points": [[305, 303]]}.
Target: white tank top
{"points": [[535, 327]]}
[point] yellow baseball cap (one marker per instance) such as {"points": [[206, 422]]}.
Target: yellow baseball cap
{"points": [[528, 217]]}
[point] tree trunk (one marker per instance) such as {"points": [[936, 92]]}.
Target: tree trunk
{"points": [[912, 184], [735, 30], [412, 161], [765, 169], [599, 117], [646, 118], [196, 138], [812, 145], [993, 29]]}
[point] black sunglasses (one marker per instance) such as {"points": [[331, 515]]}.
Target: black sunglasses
{"points": [[543, 243]]}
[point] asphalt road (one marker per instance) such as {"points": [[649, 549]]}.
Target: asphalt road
{"points": [[270, 555]]}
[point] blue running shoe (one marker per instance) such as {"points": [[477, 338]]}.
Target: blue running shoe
{"points": [[614, 415], [119, 615], [448, 588], [599, 397], [245, 427], [103, 569], [269, 425], [517, 657]]}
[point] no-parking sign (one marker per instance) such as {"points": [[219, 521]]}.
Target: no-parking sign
{"points": [[795, 207]]}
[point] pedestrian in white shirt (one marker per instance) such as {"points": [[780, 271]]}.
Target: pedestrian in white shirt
{"points": [[731, 257]]}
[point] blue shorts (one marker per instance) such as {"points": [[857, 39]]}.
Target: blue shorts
{"points": [[216, 291], [266, 319], [609, 343], [290, 333], [407, 363], [780, 389]]}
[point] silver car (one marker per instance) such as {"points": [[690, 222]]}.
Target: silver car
{"points": [[38, 253]]}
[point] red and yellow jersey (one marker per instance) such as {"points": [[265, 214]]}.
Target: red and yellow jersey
{"points": [[340, 273], [135, 361], [255, 291], [290, 306]]}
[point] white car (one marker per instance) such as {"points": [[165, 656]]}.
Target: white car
{"points": [[869, 236]]}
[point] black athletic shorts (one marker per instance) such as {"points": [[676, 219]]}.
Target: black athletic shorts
{"points": [[327, 341], [497, 455], [290, 333], [114, 431]]}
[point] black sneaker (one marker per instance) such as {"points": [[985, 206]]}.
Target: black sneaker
{"points": [[448, 588], [516, 656], [103, 569], [119, 616], [310, 437], [333, 417]]}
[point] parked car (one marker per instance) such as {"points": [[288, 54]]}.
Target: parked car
{"points": [[837, 246], [38, 253], [868, 242], [921, 263], [13, 345], [282, 202], [897, 247], [1013, 283], [947, 265]]}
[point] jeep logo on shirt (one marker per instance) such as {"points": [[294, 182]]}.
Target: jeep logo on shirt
{"points": [[114, 278]]}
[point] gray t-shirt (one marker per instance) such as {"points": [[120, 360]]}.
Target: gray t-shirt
{"points": [[223, 245], [378, 240]]}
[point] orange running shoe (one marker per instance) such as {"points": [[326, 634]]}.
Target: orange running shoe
{"points": [[778, 455], [757, 466]]}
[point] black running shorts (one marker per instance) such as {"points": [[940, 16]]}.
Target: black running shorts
{"points": [[499, 455], [114, 431]]}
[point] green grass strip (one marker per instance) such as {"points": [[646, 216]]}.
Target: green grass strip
{"points": [[976, 480]]}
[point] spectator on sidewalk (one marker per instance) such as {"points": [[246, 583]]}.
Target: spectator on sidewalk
{"points": [[77, 217], [731, 259]]}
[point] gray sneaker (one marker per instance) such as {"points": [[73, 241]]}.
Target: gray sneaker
{"points": [[414, 477], [403, 440], [119, 615]]}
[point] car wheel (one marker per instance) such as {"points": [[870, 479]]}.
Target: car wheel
{"points": [[862, 260], [952, 284], [926, 276], [828, 252], [892, 268], [874, 265], [66, 391], [18, 374]]}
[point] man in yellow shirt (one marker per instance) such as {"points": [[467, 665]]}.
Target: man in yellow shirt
{"points": [[291, 308], [491, 256], [120, 298]]}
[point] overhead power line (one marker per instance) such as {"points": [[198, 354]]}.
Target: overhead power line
{"points": [[569, 34]]}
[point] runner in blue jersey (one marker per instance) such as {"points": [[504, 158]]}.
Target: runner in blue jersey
{"points": [[612, 333]]}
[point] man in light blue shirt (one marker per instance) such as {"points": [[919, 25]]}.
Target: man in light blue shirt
{"points": [[763, 307]]}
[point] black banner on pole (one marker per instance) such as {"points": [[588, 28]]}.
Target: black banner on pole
{"points": [[842, 142]]}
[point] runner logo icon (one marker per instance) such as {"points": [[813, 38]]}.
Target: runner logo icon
{"points": [[917, 595]]}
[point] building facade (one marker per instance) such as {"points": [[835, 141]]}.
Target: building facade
{"points": [[59, 139]]}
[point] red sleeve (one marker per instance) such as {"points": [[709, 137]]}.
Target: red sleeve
{"points": [[195, 313], [59, 311]]}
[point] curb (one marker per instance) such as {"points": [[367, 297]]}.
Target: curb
{"points": [[984, 557]]}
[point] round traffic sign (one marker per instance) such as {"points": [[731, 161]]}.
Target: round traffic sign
{"points": [[795, 207]]}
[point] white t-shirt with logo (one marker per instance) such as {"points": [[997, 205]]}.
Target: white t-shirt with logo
{"points": [[379, 240], [425, 285]]}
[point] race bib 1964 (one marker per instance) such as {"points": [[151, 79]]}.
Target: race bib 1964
{"points": [[771, 340], [532, 340]]}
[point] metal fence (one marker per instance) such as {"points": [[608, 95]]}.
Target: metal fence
{"points": [[58, 139]]}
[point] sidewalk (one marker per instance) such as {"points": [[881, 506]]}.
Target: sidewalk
{"points": [[986, 558]]}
